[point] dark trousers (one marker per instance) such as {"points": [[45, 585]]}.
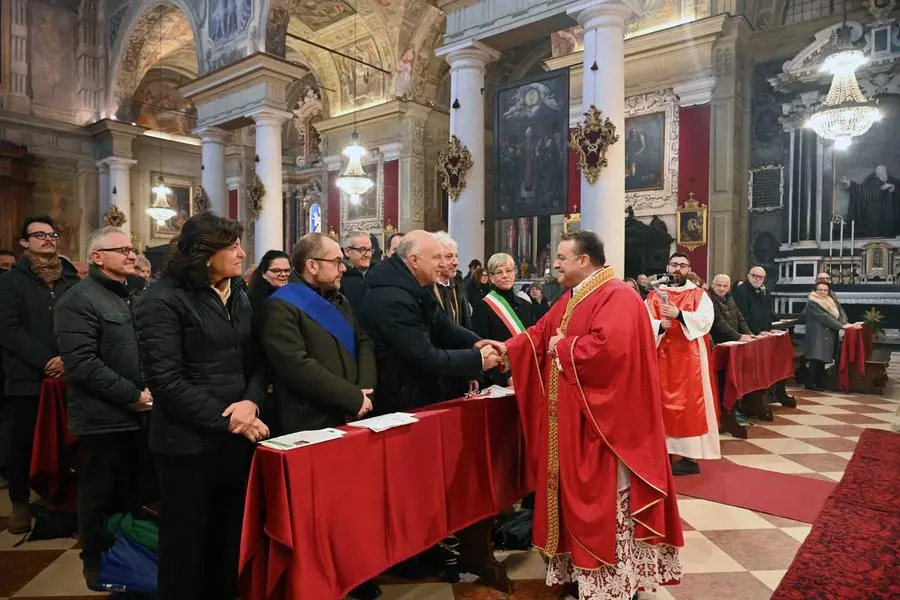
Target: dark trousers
{"points": [[816, 374], [200, 518], [6, 433], [24, 416], [117, 475]]}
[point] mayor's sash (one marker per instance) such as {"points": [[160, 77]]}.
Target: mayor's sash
{"points": [[506, 313], [320, 310]]}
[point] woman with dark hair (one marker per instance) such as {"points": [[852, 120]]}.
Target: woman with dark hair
{"points": [[194, 327], [478, 287], [824, 320], [273, 272]]}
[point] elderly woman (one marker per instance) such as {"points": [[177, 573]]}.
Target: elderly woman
{"points": [[501, 313], [194, 329], [824, 321]]}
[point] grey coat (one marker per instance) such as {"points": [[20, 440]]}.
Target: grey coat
{"points": [[822, 331]]}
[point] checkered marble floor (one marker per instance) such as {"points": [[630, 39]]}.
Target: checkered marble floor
{"points": [[729, 552]]}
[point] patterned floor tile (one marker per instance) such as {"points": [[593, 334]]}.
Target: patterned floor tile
{"points": [[831, 401], [786, 446], [756, 550], [525, 565], [63, 577], [865, 408], [813, 420], [852, 419], [522, 590], [846, 430], [798, 533], [18, 568], [720, 586], [836, 444], [700, 555], [738, 447], [803, 431], [419, 591], [770, 579], [822, 409], [769, 462], [820, 462], [710, 516], [833, 475], [758, 432]]}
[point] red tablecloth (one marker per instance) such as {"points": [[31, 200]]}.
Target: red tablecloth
{"points": [[855, 350], [323, 519], [753, 366], [55, 449]]}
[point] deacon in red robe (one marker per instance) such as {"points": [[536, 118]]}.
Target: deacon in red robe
{"points": [[588, 390], [682, 315]]}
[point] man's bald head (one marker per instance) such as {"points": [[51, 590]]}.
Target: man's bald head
{"points": [[421, 252]]}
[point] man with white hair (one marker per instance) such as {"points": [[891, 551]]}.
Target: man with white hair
{"points": [[449, 287], [358, 251], [728, 324], [416, 344], [107, 401]]}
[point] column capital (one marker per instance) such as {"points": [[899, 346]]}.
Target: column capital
{"points": [[211, 134], [391, 151], [271, 117], [693, 93], [605, 13], [468, 54], [117, 162]]}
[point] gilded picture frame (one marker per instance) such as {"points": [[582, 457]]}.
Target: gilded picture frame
{"points": [[692, 224]]}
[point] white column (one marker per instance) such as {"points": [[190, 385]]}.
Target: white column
{"points": [[212, 177], [119, 188], [466, 215], [270, 224], [603, 203]]}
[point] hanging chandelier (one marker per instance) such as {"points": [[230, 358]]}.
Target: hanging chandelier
{"points": [[845, 113], [160, 211]]}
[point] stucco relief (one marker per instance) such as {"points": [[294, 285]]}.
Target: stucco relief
{"points": [[647, 202]]}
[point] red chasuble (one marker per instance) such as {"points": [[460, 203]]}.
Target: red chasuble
{"points": [[598, 405]]}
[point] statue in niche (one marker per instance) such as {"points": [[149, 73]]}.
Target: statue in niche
{"points": [[309, 108], [874, 204], [403, 76]]}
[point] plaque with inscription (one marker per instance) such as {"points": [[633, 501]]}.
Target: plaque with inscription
{"points": [[766, 188]]}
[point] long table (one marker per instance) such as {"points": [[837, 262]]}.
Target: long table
{"points": [[856, 349], [321, 520]]}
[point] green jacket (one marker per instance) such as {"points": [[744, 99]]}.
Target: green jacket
{"points": [[317, 382]]}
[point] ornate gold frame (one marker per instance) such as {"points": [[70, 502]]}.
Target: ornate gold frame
{"points": [[389, 230], [454, 161], [591, 139], [114, 217], [572, 223], [692, 209]]}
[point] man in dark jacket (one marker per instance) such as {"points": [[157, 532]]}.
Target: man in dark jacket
{"points": [[358, 250], [729, 324], [99, 347], [27, 295], [754, 301], [324, 363], [415, 343]]}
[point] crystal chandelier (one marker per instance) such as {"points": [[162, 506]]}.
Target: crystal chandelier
{"points": [[845, 113], [160, 211]]}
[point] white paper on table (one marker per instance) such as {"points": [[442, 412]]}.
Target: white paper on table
{"points": [[301, 439], [734, 343], [497, 391], [385, 422]]}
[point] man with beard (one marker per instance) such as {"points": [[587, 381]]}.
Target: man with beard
{"points": [[28, 294], [682, 316], [754, 301]]}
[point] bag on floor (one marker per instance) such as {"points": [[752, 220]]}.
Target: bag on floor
{"points": [[140, 531], [50, 524], [513, 531], [127, 567]]}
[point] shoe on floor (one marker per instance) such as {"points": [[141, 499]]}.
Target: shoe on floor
{"points": [[685, 467], [787, 401], [19, 519], [366, 591]]}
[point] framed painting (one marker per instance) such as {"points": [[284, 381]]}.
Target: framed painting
{"points": [[367, 213], [692, 224], [572, 223], [181, 199], [531, 133], [645, 138], [651, 152]]}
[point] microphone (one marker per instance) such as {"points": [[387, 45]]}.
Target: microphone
{"points": [[658, 280]]}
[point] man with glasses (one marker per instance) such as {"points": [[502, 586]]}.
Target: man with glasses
{"points": [[27, 295], [358, 250], [754, 301], [107, 400], [682, 316]]}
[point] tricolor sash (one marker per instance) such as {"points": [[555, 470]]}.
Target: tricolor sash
{"points": [[320, 310], [506, 313]]}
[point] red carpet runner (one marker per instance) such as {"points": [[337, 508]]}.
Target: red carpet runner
{"points": [[789, 496]]}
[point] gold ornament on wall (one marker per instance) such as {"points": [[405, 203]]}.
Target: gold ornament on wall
{"points": [[691, 217], [454, 160], [256, 191], [201, 200], [114, 217], [592, 139]]}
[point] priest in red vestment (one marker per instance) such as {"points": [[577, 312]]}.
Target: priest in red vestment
{"points": [[588, 390], [682, 315]]}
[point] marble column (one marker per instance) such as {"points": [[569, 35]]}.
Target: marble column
{"points": [[603, 202], [270, 223], [212, 177], [117, 184], [466, 215]]}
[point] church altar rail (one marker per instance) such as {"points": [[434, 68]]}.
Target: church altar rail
{"points": [[321, 520], [753, 366]]}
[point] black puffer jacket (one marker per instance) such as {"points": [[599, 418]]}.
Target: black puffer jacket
{"points": [[26, 325], [353, 286], [756, 305], [99, 347], [415, 343], [197, 361]]}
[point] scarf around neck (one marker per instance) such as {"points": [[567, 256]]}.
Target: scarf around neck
{"points": [[48, 270], [828, 304]]}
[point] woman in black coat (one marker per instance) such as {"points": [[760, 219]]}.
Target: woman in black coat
{"points": [[194, 327], [824, 320], [486, 319], [478, 287], [273, 272]]}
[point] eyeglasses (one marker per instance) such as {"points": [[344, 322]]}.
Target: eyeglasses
{"points": [[124, 250], [755, 276], [337, 262], [363, 251], [679, 265], [279, 271], [44, 235]]}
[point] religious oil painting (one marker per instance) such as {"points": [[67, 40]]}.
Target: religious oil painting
{"points": [[56, 195], [644, 152], [368, 83], [181, 200], [228, 19], [692, 225], [531, 129], [367, 206], [319, 14]]}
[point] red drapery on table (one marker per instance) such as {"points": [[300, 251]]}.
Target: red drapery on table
{"points": [[321, 520], [855, 350], [55, 448], [753, 366]]}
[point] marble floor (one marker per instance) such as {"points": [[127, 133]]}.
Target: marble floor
{"points": [[729, 552]]}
